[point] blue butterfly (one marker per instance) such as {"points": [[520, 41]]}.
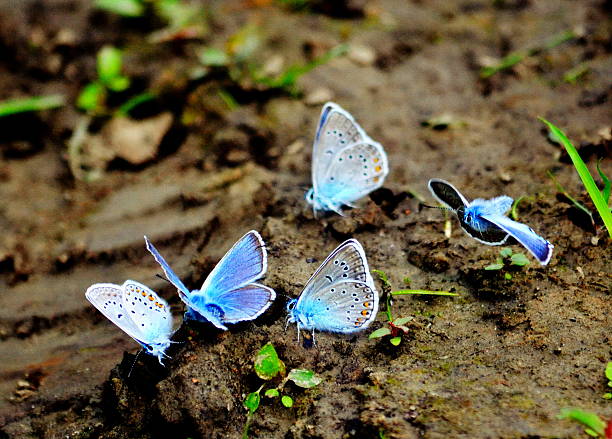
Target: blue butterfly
{"points": [[138, 311], [346, 163], [229, 294], [485, 220], [340, 296]]}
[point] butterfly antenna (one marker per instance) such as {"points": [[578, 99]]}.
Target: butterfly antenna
{"points": [[163, 277], [134, 363], [435, 207]]}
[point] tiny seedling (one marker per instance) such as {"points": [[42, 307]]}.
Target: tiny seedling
{"points": [[608, 372], [125, 8], [514, 58], [594, 425], [92, 98], [397, 325], [598, 197], [507, 259], [268, 366], [35, 103]]}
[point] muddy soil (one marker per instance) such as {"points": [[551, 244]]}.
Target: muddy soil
{"points": [[498, 361]]}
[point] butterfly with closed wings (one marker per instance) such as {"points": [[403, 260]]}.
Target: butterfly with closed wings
{"points": [[229, 293], [485, 220], [340, 296], [346, 163], [138, 311]]}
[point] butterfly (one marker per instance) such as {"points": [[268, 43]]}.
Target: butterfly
{"points": [[346, 163], [229, 294], [340, 296], [485, 220], [138, 311]]}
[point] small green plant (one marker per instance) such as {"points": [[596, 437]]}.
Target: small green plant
{"points": [[514, 58], [92, 98], [125, 8], [608, 372], [397, 325], [600, 199], [35, 103], [507, 259], [268, 366], [594, 425]]}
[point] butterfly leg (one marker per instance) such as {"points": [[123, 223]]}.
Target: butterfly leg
{"points": [[314, 341], [298, 330]]}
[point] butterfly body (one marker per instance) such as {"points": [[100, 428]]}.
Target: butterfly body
{"points": [[485, 220], [346, 163], [138, 311], [340, 296], [229, 294]]}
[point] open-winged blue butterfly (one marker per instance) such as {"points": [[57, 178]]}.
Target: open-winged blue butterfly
{"points": [[346, 163], [340, 296], [138, 311], [229, 294], [485, 220]]}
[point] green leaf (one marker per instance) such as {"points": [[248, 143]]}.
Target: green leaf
{"points": [[608, 372], [395, 341], [91, 97], [607, 184], [125, 8], [519, 259], [588, 419], [585, 176], [109, 64], [267, 363], [135, 101], [496, 266], [380, 333], [272, 393], [423, 292], [304, 378], [607, 396], [119, 83], [402, 320], [407, 280], [507, 276], [213, 57], [514, 210], [505, 252], [287, 401], [36, 103], [383, 277], [252, 400]]}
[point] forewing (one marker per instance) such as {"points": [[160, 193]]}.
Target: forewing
{"points": [[355, 171], [346, 306], [447, 194], [537, 246], [108, 299], [149, 312], [244, 263], [172, 277], [336, 130], [494, 206], [245, 303], [346, 263]]}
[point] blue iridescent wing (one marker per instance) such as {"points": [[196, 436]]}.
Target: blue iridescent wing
{"points": [[243, 264], [343, 307], [172, 277], [355, 171], [336, 130], [537, 246], [474, 222], [149, 312], [494, 206], [447, 194], [245, 303]]}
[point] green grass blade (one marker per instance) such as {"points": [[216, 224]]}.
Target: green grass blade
{"points": [[37, 103], [607, 184], [585, 176], [423, 292], [575, 202]]}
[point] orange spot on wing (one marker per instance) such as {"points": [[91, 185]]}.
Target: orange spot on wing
{"points": [[365, 312], [151, 298], [376, 160], [366, 304], [378, 168]]}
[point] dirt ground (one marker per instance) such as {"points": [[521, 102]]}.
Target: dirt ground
{"points": [[498, 361]]}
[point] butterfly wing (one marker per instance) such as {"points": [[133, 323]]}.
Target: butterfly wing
{"points": [[481, 229], [336, 130], [346, 306], [244, 263], [108, 299], [447, 194], [172, 277], [149, 312], [245, 303], [537, 246], [354, 172]]}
